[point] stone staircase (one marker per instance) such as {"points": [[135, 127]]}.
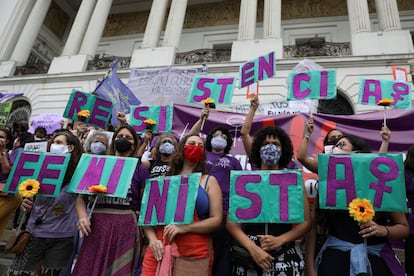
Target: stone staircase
{"points": [[5, 259]]}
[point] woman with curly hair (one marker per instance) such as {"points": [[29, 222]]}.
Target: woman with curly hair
{"points": [[270, 245]]}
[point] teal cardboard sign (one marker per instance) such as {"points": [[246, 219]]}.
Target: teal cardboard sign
{"points": [[169, 200], [372, 91], [161, 114], [47, 168], [309, 85], [258, 69], [100, 110], [113, 172], [218, 88], [377, 177], [266, 196]]}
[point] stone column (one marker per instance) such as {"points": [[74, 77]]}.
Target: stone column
{"points": [[358, 16], [247, 19], [15, 22], [272, 19], [78, 29], [30, 31], [175, 23], [388, 15], [154, 24], [95, 29]]}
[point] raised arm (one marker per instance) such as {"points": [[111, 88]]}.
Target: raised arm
{"points": [[385, 137], [145, 144], [195, 130], [302, 153], [247, 125]]}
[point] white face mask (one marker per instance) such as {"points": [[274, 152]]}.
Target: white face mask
{"points": [[56, 148], [218, 142]]}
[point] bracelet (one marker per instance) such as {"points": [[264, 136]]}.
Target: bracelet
{"points": [[388, 232], [3, 153], [307, 137]]}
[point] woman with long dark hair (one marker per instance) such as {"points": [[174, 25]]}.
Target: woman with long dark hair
{"points": [[111, 236], [52, 220], [192, 240]]}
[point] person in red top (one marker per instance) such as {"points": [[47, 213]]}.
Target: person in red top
{"points": [[193, 240]]}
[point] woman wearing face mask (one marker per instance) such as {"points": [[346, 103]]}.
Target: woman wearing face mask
{"points": [[328, 142], [52, 220], [271, 245], [110, 237], [193, 240], [159, 165], [98, 143], [341, 250], [315, 237]]}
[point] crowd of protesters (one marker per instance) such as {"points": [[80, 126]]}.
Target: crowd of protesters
{"points": [[68, 240]]}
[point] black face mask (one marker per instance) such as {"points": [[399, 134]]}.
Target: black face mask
{"points": [[330, 143], [123, 145]]}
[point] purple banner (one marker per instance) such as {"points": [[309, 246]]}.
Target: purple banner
{"points": [[366, 126]]}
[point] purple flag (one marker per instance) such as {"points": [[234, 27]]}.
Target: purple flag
{"points": [[111, 88]]}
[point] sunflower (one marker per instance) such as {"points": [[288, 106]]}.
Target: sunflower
{"points": [[96, 189], [29, 188], [361, 210], [209, 102], [385, 102], [83, 114], [150, 122]]}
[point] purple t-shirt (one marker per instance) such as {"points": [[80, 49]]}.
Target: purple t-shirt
{"points": [[58, 215], [219, 166], [409, 185], [132, 201]]}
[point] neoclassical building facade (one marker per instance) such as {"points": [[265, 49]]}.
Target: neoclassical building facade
{"points": [[50, 47]]}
